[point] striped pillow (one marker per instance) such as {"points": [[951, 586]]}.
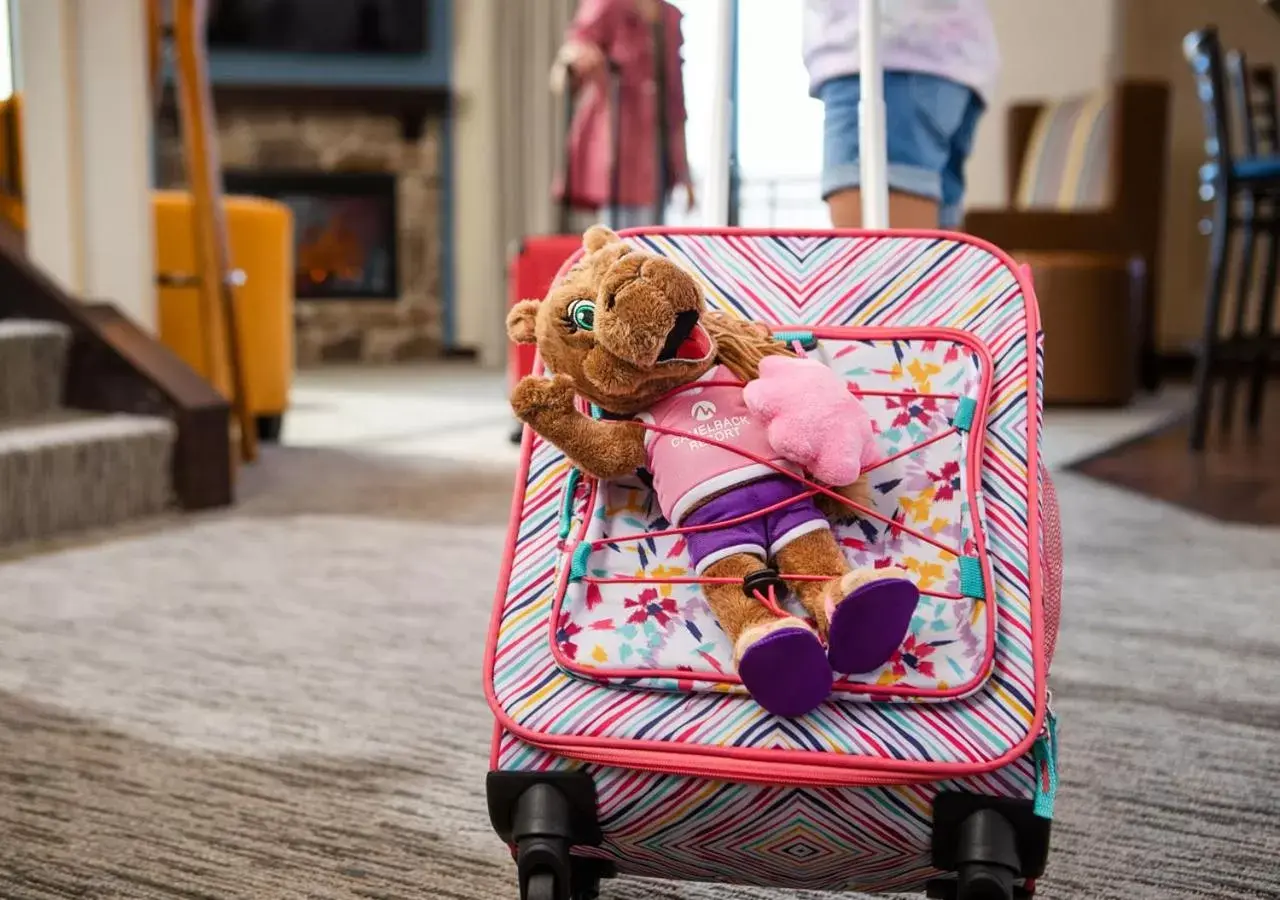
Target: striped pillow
{"points": [[1068, 160]]}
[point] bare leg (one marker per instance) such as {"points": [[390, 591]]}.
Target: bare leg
{"points": [[780, 660], [905, 210]]}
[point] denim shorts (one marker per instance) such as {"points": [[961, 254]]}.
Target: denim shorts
{"points": [[930, 124]]}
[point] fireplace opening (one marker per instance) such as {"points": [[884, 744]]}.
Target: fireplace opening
{"points": [[344, 229]]}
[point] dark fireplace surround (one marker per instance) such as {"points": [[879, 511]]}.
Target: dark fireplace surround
{"points": [[345, 243], [360, 169]]}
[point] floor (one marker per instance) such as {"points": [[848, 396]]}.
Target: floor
{"points": [[389, 412], [283, 699], [401, 412], [1235, 479]]}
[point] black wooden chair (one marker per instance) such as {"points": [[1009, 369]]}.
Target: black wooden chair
{"points": [[1243, 189], [1253, 91]]}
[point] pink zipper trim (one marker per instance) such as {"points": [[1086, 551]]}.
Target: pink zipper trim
{"points": [[977, 430], [742, 764]]}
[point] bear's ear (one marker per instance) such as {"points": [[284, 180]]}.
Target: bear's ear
{"points": [[521, 321], [598, 236]]}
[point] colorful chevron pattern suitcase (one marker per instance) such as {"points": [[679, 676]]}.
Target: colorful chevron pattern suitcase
{"points": [[624, 745]]}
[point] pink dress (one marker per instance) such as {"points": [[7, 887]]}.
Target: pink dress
{"points": [[626, 37]]}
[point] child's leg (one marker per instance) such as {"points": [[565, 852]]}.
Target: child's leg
{"points": [[951, 213], [922, 115], [628, 217]]}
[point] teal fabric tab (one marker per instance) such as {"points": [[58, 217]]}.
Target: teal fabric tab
{"points": [[805, 338], [581, 554], [971, 578], [965, 409], [1046, 757], [595, 411], [566, 505]]}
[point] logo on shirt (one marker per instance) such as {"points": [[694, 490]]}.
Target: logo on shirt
{"points": [[704, 410]]}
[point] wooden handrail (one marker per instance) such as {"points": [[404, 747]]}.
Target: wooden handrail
{"points": [[113, 366], [156, 30], [214, 278], [204, 176]]}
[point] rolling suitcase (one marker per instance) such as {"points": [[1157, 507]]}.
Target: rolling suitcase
{"points": [[536, 259], [624, 744]]}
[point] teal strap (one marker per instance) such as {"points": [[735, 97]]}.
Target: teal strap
{"points": [[965, 409], [1046, 757], [805, 338], [581, 553], [566, 504], [971, 578]]}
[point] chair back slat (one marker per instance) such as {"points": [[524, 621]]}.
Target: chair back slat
{"points": [[1265, 111], [1203, 50]]}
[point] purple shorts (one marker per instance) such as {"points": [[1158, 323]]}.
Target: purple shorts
{"points": [[761, 536]]}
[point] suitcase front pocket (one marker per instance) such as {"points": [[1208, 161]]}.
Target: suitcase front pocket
{"points": [[630, 611]]}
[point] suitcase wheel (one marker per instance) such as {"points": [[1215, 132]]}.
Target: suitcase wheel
{"points": [[541, 886], [543, 815], [996, 848]]}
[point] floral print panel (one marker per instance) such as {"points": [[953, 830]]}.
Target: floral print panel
{"points": [[634, 615]]}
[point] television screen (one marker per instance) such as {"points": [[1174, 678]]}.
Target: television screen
{"points": [[319, 26]]}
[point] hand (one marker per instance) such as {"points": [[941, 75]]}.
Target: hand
{"points": [[535, 397], [691, 200], [582, 58]]}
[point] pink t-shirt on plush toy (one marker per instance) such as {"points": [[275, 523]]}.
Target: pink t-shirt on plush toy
{"points": [[687, 471]]}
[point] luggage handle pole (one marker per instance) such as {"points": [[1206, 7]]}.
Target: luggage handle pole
{"points": [[566, 164], [614, 101], [615, 138], [873, 139]]}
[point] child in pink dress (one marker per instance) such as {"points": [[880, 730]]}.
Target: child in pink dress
{"points": [[626, 33]]}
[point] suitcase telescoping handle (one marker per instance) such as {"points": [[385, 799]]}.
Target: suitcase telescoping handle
{"points": [[873, 139], [615, 130]]}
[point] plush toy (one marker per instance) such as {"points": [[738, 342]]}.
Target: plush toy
{"points": [[827, 432], [629, 331]]}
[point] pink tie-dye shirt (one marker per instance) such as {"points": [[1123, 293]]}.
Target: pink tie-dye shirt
{"points": [[953, 39]]}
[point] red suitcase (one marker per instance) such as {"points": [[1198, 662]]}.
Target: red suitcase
{"points": [[532, 269]]}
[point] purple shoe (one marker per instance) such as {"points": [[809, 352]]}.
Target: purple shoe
{"points": [[870, 625], [787, 672]]}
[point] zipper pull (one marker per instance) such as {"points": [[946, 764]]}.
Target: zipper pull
{"points": [[1045, 754]]}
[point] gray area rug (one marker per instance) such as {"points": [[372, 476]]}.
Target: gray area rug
{"points": [[284, 701]]}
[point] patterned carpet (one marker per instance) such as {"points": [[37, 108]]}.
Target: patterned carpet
{"points": [[284, 700]]}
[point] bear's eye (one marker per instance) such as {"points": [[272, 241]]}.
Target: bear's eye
{"points": [[581, 315]]}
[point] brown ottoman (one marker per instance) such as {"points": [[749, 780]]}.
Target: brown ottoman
{"points": [[1090, 310]]}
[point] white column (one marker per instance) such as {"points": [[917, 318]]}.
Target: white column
{"points": [[87, 149], [46, 36], [479, 281], [717, 189], [115, 125]]}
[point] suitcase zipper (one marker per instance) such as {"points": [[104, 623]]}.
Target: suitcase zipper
{"points": [[753, 774]]}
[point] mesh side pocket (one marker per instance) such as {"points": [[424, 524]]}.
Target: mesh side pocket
{"points": [[1051, 567]]}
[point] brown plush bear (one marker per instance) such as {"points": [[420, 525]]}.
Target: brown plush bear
{"points": [[630, 332]]}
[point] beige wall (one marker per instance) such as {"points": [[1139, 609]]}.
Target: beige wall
{"points": [[1153, 34], [1048, 48]]}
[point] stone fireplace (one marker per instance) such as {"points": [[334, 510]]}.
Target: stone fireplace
{"points": [[365, 190]]}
